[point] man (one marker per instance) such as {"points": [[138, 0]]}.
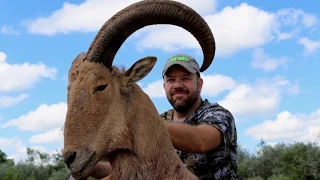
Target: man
{"points": [[203, 133]]}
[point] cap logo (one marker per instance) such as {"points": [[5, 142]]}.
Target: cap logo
{"points": [[179, 58]]}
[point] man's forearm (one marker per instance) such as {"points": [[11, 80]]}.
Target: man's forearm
{"points": [[184, 137]]}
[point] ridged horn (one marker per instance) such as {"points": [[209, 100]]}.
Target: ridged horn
{"points": [[150, 12]]}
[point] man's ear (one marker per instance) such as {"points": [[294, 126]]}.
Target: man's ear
{"points": [[200, 84], [139, 70], [74, 70]]}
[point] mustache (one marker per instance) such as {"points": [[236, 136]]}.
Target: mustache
{"points": [[179, 90]]}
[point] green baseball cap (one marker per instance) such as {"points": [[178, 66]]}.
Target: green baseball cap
{"points": [[186, 61]]}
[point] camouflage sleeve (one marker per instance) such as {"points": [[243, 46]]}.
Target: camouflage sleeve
{"points": [[223, 120], [167, 115]]}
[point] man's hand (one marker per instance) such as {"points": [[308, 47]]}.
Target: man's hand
{"points": [[101, 170]]}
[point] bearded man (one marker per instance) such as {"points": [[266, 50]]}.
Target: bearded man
{"points": [[203, 133]]}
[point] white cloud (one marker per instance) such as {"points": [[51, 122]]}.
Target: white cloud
{"points": [[5, 29], [293, 17], [216, 84], [155, 89], [309, 20], [256, 99], [7, 143], [259, 99], [213, 85], [265, 62], [287, 35], [205, 7], [16, 150], [14, 146], [288, 127], [289, 16], [309, 45], [232, 28], [44, 118], [22, 76], [92, 14], [7, 101], [3, 57], [51, 136], [249, 100], [272, 144]]}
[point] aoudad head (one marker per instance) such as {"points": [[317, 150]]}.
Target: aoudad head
{"points": [[100, 95]]}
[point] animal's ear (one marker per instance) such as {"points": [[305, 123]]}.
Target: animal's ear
{"points": [[74, 71], [139, 70]]}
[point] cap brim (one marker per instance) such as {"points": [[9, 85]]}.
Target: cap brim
{"points": [[181, 63]]}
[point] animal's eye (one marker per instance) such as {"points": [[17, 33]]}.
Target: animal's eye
{"points": [[101, 87]]}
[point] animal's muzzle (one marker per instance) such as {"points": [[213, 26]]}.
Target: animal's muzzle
{"points": [[79, 159], [70, 157]]}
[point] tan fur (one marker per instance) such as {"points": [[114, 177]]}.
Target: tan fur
{"points": [[120, 124]]}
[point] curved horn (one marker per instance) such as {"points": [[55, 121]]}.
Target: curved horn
{"points": [[149, 12]]}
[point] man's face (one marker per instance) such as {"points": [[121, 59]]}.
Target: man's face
{"points": [[182, 88]]}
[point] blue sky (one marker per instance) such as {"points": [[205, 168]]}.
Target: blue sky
{"points": [[266, 69]]}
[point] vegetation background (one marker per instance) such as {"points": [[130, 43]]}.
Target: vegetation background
{"points": [[295, 161]]}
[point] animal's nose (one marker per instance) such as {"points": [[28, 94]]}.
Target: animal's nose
{"points": [[70, 158]]}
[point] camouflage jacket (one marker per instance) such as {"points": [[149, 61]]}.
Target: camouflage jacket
{"points": [[220, 163]]}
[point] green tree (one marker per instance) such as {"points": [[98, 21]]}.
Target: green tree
{"points": [[35, 156], [280, 162], [32, 171], [11, 173], [58, 175], [3, 157], [277, 162]]}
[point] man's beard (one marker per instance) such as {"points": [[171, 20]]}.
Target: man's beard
{"points": [[187, 103]]}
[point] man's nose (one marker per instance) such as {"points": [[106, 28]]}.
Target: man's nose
{"points": [[178, 84]]}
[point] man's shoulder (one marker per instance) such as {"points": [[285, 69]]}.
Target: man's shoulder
{"points": [[206, 109], [167, 115], [213, 108]]}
